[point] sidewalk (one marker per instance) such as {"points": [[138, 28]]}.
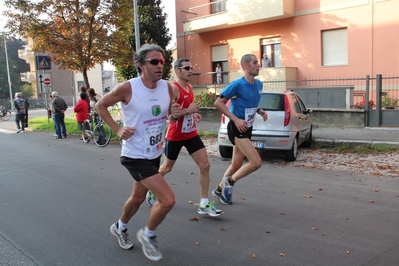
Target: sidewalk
{"points": [[334, 136]]}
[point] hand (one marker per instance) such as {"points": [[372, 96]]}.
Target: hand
{"points": [[175, 110], [197, 117], [241, 125], [125, 132], [263, 114], [193, 108]]}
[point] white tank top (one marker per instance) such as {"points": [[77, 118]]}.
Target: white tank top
{"points": [[146, 112]]}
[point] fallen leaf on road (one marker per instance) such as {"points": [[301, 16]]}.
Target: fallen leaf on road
{"points": [[191, 173], [282, 254], [348, 252], [190, 202], [314, 228], [376, 190], [197, 243], [306, 196], [242, 198], [371, 201], [173, 184], [254, 256], [195, 219]]}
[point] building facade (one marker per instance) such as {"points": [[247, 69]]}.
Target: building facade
{"points": [[303, 39]]}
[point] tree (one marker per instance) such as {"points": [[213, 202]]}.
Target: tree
{"points": [[152, 29], [16, 66], [76, 33]]}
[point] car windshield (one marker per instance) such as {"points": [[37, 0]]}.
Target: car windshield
{"points": [[272, 102]]}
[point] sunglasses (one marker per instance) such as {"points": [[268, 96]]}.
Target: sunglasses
{"points": [[186, 68], [154, 61]]}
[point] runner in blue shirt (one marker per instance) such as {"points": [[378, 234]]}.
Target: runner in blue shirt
{"points": [[245, 95]]}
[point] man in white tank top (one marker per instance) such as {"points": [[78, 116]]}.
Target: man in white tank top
{"points": [[146, 102]]}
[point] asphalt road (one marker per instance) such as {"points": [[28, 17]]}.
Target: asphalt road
{"points": [[59, 197]]}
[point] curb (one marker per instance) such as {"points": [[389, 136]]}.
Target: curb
{"points": [[337, 142]]}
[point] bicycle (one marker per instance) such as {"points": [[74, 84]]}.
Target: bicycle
{"points": [[101, 133], [5, 114]]}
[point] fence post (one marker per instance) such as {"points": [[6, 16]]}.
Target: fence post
{"points": [[378, 100], [367, 100]]}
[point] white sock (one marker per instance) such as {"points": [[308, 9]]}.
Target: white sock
{"points": [[148, 233], [121, 226], [203, 202]]}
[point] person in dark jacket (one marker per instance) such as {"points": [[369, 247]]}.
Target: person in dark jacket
{"points": [[59, 107], [19, 104]]}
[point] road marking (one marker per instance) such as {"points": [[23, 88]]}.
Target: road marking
{"points": [[7, 131]]}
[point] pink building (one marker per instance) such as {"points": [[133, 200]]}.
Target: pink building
{"points": [[304, 39]]}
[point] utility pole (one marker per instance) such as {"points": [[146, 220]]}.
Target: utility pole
{"points": [[136, 27], [8, 71]]}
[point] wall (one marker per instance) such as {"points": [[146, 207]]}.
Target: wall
{"points": [[321, 117]]}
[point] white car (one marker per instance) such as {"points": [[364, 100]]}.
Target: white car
{"points": [[289, 125]]}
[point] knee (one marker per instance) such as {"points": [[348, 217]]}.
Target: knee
{"points": [[168, 203], [137, 199], [256, 164], [204, 167], [163, 170]]}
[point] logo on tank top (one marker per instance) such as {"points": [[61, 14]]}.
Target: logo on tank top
{"points": [[156, 110]]}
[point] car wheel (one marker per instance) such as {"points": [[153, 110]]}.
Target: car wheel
{"points": [[226, 152], [291, 155], [308, 142]]}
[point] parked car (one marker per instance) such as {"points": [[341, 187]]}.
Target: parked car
{"points": [[288, 126]]}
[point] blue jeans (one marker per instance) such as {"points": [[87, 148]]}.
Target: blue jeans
{"points": [[59, 125]]}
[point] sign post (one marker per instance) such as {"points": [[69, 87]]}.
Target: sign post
{"points": [[45, 83]]}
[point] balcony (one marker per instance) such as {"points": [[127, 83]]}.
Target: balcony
{"points": [[225, 14], [28, 77], [26, 55]]}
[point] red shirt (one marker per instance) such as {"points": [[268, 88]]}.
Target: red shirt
{"points": [[81, 110], [176, 132]]}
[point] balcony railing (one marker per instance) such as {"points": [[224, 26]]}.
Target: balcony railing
{"points": [[207, 9], [28, 76]]}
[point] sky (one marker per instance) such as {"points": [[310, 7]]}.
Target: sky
{"points": [[169, 8]]}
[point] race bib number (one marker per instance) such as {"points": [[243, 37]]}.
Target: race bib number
{"points": [[188, 124], [153, 139], [250, 115]]}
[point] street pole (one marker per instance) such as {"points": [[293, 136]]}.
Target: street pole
{"points": [[8, 71], [136, 27]]}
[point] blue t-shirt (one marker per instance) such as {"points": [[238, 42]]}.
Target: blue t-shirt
{"points": [[244, 98]]}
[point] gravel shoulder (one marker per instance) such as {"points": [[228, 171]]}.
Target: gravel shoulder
{"points": [[380, 164]]}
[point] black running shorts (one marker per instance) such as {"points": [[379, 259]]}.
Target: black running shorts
{"points": [[172, 148], [141, 168], [233, 132]]}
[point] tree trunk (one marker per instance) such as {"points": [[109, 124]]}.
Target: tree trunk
{"points": [[85, 78]]}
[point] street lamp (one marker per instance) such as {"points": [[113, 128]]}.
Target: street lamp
{"points": [[136, 27], [8, 70]]}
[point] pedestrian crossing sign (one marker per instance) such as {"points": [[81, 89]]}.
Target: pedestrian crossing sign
{"points": [[43, 62]]}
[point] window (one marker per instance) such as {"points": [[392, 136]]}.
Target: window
{"points": [[335, 47], [272, 48], [80, 83], [219, 56], [218, 6]]}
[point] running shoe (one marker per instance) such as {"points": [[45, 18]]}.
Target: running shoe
{"points": [[227, 189], [219, 196], [149, 245], [209, 209], [123, 237], [150, 198]]}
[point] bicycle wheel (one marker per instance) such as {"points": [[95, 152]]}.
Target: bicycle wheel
{"points": [[86, 132], [102, 134], [6, 116]]}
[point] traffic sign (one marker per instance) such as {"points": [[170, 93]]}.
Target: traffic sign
{"points": [[45, 82]]}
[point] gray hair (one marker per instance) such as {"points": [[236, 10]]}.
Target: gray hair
{"points": [[54, 93], [17, 94], [141, 55], [178, 62], [246, 59]]}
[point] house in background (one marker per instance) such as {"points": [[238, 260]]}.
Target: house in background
{"points": [[304, 39]]}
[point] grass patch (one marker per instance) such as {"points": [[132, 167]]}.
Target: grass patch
{"points": [[201, 133], [363, 149], [45, 124]]}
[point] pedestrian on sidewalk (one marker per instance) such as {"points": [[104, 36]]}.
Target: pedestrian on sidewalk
{"points": [[59, 107], [81, 112], [146, 102], [183, 132], [19, 103], [245, 95]]}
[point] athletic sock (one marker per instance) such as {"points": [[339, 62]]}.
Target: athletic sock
{"points": [[230, 180], [204, 201], [121, 226], [219, 189], [148, 233]]}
